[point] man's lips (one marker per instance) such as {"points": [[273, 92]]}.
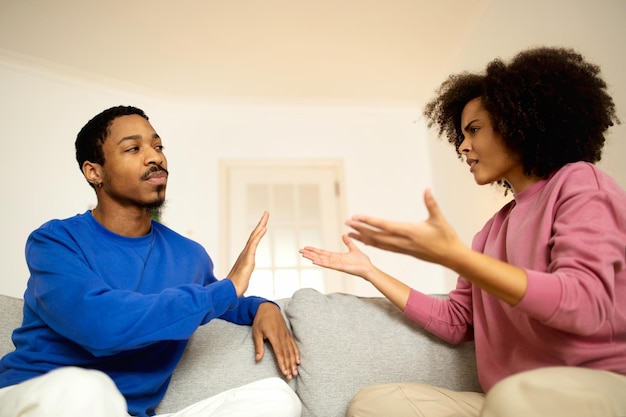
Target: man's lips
{"points": [[156, 175]]}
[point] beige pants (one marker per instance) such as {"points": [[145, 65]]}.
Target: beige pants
{"points": [[546, 392], [76, 392]]}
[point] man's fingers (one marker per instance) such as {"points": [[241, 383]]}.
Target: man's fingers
{"points": [[259, 346], [291, 358], [297, 354], [284, 364], [285, 357], [259, 231]]}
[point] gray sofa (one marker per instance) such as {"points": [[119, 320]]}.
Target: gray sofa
{"points": [[346, 343]]}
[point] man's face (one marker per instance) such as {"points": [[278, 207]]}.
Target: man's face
{"points": [[135, 168]]}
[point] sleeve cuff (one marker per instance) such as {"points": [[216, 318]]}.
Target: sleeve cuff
{"points": [[541, 287], [419, 307]]}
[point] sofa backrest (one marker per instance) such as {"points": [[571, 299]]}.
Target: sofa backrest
{"points": [[10, 318], [219, 356], [348, 342]]}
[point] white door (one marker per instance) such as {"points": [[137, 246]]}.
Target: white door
{"points": [[305, 202]]}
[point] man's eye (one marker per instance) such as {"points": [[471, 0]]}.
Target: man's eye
{"points": [[159, 147], [132, 149]]}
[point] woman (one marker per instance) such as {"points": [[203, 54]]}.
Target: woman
{"points": [[542, 290]]}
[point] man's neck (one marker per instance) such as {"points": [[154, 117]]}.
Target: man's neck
{"points": [[130, 222]]}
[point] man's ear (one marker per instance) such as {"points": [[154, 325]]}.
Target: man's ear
{"points": [[93, 173]]}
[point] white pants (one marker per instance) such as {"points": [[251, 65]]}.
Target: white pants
{"points": [[77, 392]]}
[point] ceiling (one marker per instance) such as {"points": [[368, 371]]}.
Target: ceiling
{"points": [[383, 50]]}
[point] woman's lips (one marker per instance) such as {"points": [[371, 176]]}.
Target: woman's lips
{"points": [[472, 163]]}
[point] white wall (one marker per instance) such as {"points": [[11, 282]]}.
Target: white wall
{"points": [[42, 112], [389, 159], [597, 29]]}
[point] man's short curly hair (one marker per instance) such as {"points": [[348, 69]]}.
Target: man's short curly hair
{"points": [[549, 105], [89, 140]]}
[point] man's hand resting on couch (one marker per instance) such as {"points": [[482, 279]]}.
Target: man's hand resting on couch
{"points": [[269, 325]]}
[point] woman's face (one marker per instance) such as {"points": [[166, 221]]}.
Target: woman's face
{"points": [[485, 152]]}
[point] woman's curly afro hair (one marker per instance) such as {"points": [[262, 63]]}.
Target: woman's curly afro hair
{"points": [[549, 105]]}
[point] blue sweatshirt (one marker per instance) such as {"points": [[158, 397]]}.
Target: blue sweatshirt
{"points": [[125, 306]]}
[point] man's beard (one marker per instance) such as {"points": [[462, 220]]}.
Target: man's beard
{"points": [[155, 208]]}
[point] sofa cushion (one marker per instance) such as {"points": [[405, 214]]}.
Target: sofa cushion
{"points": [[348, 342], [219, 356]]}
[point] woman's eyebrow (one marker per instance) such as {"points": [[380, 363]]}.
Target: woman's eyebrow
{"points": [[467, 126]]}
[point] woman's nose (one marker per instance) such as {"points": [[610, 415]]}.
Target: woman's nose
{"points": [[465, 146]]}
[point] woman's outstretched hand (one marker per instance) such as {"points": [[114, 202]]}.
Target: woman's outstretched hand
{"points": [[431, 240], [352, 262]]}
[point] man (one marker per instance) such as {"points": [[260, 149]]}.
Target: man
{"points": [[114, 296]]}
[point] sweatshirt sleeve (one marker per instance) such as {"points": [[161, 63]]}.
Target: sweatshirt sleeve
{"points": [[586, 253], [449, 318], [75, 302], [245, 310]]}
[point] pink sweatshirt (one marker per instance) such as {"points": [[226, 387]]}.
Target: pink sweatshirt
{"points": [[569, 233]]}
